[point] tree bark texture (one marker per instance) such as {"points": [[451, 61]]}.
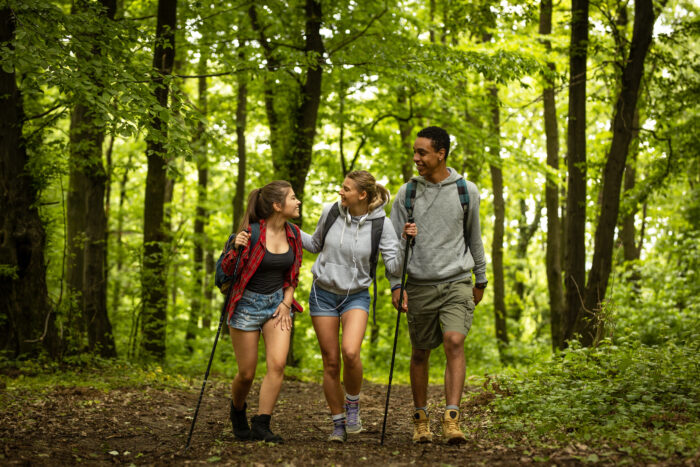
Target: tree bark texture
{"points": [[554, 250], [201, 216], [87, 210], [499, 208], [623, 132], [153, 283], [241, 123], [27, 324], [575, 260]]}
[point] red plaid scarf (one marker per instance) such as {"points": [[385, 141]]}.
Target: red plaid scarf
{"points": [[251, 260]]}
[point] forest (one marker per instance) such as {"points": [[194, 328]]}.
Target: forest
{"points": [[132, 131]]}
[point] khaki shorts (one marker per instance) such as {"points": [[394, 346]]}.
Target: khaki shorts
{"points": [[435, 309]]}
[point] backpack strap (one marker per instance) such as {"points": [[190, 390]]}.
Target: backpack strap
{"points": [[464, 201], [333, 214], [409, 200], [377, 227]]}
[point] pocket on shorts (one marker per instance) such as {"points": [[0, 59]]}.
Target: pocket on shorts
{"points": [[469, 315]]}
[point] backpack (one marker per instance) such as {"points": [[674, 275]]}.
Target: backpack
{"points": [[411, 187], [377, 227], [223, 281]]}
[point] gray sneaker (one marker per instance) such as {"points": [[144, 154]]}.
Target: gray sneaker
{"points": [[352, 409], [339, 434]]}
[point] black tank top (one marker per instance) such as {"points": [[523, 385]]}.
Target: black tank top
{"points": [[269, 277]]}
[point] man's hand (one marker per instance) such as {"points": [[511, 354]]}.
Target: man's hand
{"points": [[478, 295], [395, 300]]}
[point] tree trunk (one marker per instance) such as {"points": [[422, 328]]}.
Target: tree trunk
{"points": [[27, 323], [499, 302], [201, 215], [628, 231], [405, 131], [525, 233], [623, 132], [554, 252], [241, 122], [575, 261], [87, 136], [153, 283]]}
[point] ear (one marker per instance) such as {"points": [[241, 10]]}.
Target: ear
{"points": [[363, 195], [441, 154], [277, 207]]}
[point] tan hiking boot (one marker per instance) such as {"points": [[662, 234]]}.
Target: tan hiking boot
{"points": [[450, 428], [421, 427]]}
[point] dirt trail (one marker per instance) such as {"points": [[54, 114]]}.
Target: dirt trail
{"points": [[150, 426]]}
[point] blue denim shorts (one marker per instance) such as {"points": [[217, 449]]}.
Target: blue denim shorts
{"points": [[324, 303], [254, 309]]}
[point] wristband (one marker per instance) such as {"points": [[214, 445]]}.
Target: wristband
{"points": [[288, 306], [481, 286], [396, 287]]}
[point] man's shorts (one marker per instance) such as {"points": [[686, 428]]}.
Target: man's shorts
{"points": [[435, 309], [325, 303]]}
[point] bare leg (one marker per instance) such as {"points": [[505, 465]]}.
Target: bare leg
{"points": [[327, 328], [276, 349], [420, 360], [245, 347], [455, 369], [354, 326]]}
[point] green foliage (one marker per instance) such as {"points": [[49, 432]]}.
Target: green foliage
{"points": [[644, 398]]}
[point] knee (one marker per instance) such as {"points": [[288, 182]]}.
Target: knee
{"points": [[276, 367], [332, 368], [245, 377], [453, 343], [420, 357], [351, 357]]}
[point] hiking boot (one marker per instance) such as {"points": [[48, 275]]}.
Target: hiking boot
{"points": [[421, 427], [241, 429], [261, 430], [450, 428], [339, 434], [354, 424]]}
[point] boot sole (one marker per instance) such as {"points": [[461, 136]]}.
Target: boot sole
{"points": [[422, 441], [456, 441]]}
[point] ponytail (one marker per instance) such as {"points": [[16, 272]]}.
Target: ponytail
{"points": [[376, 193], [261, 200]]}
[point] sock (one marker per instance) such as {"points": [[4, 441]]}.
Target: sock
{"points": [[339, 418], [424, 409], [451, 407], [351, 398]]}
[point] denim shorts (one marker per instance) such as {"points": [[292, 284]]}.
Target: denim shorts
{"points": [[324, 303], [254, 309]]}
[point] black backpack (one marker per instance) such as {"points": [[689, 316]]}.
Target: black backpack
{"points": [[223, 281], [409, 201], [377, 227]]}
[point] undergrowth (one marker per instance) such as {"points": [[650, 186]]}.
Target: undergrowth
{"points": [[642, 400]]}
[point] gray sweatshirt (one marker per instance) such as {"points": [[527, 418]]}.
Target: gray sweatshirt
{"points": [[343, 265], [438, 255]]}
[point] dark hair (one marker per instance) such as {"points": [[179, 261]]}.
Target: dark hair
{"points": [[439, 137], [260, 202], [376, 193]]}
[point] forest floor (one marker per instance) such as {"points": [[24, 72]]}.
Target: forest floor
{"points": [[148, 425]]}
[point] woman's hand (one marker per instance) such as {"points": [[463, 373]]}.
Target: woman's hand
{"points": [[242, 239], [409, 229], [283, 316]]}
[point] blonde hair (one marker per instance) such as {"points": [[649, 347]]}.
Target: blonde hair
{"points": [[376, 193], [260, 202]]}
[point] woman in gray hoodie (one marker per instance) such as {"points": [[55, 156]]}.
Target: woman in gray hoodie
{"points": [[339, 293]]}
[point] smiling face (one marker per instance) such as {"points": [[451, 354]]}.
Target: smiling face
{"points": [[350, 196], [290, 208], [430, 163]]}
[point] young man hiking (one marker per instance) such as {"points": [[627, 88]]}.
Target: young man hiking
{"points": [[440, 296]]}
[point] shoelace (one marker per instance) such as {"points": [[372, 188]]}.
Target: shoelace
{"points": [[353, 412], [338, 430]]}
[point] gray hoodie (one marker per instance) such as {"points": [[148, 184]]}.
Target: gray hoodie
{"points": [[438, 255], [343, 265]]}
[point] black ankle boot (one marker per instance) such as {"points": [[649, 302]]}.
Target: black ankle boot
{"points": [[261, 430], [240, 422]]}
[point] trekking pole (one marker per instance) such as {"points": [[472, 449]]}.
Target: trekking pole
{"points": [[409, 239], [216, 339]]}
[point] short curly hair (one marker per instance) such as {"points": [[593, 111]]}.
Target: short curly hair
{"points": [[439, 137]]}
